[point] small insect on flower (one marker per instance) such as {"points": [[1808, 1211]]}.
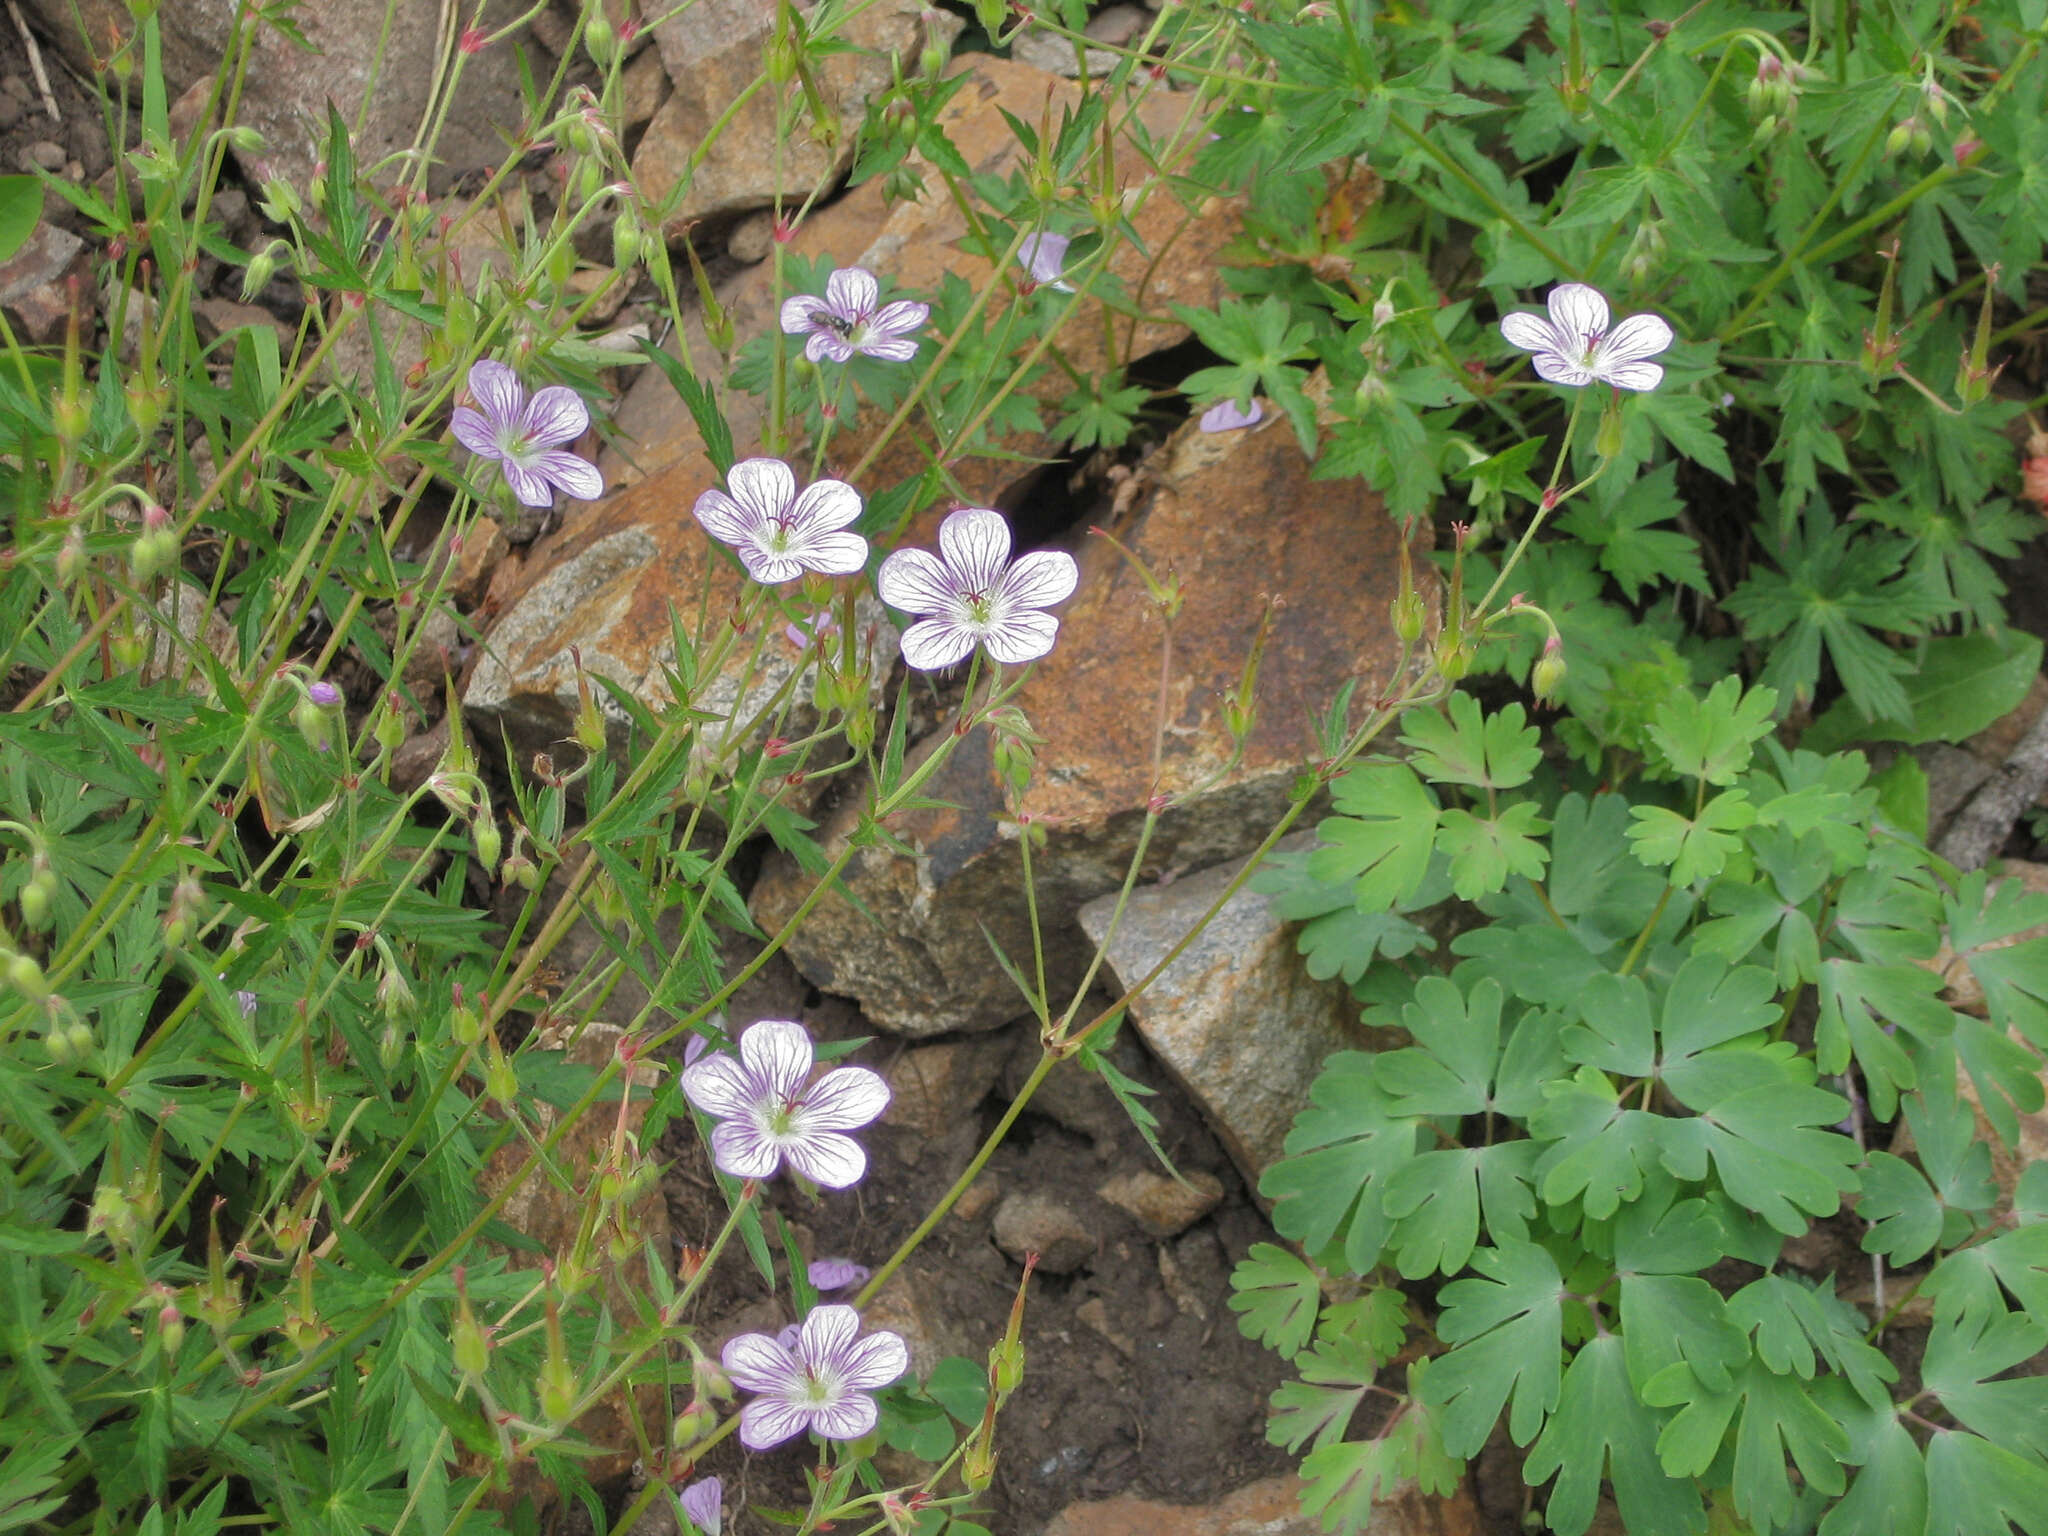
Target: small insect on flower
{"points": [[851, 318], [770, 1113], [1045, 257], [820, 1381], [972, 593], [1578, 346], [524, 437], [1225, 416], [778, 533]]}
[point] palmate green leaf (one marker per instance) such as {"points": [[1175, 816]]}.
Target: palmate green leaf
{"points": [[1713, 738], [1600, 1152], [1968, 1285], [1669, 1314], [1385, 843], [1779, 1417], [2014, 978], [1436, 1201], [1507, 1332], [1484, 851], [1974, 1486], [1771, 1158], [1623, 527], [1799, 1327], [1276, 1297], [1601, 1427], [1952, 1153], [1450, 1071], [1709, 1006], [1859, 1002], [1904, 1217], [1697, 849], [1340, 1152], [1344, 1480], [1335, 1376], [1963, 1358], [1497, 751], [1889, 1492], [1335, 937]]}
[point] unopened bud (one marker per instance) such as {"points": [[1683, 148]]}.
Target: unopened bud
{"points": [[1546, 678], [501, 1081], [490, 842], [1607, 440], [1901, 137], [71, 558], [601, 40], [170, 1328]]}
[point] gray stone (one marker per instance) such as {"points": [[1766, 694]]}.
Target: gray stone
{"points": [[1032, 1221], [32, 286], [1235, 1017], [935, 1088], [1163, 1206]]}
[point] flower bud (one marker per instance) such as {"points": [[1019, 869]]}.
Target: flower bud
{"points": [[313, 724], [601, 40], [1766, 131], [463, 1023], [471, 1346], [693, 1424], [625, 240], [246, 140], [71, 557], [1607, 440], [490, 842], [501, 1081], [1546, 678], [281, 203], [1901, 137], [170, 1328]]}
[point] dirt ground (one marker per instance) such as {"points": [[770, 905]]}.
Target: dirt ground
{"points": [[1136, 1378]]}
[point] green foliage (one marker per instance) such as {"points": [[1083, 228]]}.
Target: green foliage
{"points": [[1638, 1067]]}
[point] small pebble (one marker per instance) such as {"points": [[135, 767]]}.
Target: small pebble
{"points": [[10, 111], [1032, 1222], [14, 87], [49, 156]]}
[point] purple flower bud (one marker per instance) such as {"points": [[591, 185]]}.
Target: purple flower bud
{"points": [[326, 695], [1224, 416], [838, 1274]]}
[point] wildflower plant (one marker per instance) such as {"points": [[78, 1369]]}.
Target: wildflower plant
{"points": [[278, 1009]]}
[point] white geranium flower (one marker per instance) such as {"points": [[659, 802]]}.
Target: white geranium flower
{"points": [[1577, 346]]}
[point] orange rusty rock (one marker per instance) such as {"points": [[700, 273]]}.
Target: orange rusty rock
{"points": [[1239, 520], [607, 584]]}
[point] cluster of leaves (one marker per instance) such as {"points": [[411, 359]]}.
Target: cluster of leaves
{"points": [[1685, 1035], [1818, 210]]}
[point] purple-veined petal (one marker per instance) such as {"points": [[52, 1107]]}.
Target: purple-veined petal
{"points": [[848, 1419], [1225, 416], [826, 1158], [826, 1334], [778, 1054], [788, 1334], [499, 394], [1532, 333], [757, 1363], [769, 569], [694, 1047], [719, 1086], [1044, 256], [579, 477], [723, 518], [915, 581], [1637, 337], [835, 554], [763, 487], [828, 344], [1025, 635], [1636, 375], [836, 1274], [845, 1099], [853, 292], [1559, 369], [1040, 579], [932, 645], [555, 416], [975, 544], [889, 349], [474, 432], [900, 317], [800, 312], [529, 485], [874, 1361], [768, 1421], [743, 1150], [825, 505], [1578, 311], [704, 1503]]}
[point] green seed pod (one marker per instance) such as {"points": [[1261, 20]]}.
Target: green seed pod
{"points": [[26, 977], [1546, 678], [1900, 138], [501, 1082], [490, 842], [34, 902], [600, 40]]}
